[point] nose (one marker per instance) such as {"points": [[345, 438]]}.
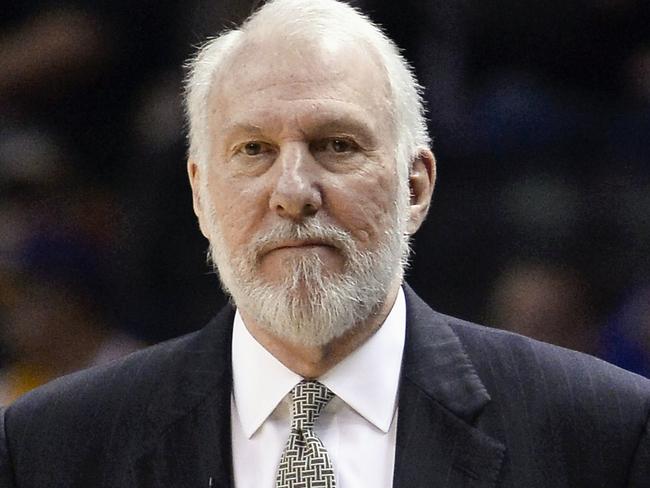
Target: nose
{"points": [[296, 193]]}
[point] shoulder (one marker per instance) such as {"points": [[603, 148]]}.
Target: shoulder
{"points": [[136, 377], [536, 383], [137, 373], [566, 407], [90, 403], [505, 360], [123, 403], [511, 360]]}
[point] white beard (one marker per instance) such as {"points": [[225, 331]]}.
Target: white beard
{"points": [[312, 305]]}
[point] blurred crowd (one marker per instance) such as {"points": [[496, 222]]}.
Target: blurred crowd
{"points": [[540, 114]]}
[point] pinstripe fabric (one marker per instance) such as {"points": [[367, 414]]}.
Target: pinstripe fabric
{"points": [[305, 462], [517, 412], [478, 408]]}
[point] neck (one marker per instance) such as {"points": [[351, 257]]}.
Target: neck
{"points": [[311, 362]]}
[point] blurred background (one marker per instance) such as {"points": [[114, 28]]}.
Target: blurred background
{"points": [[540, 113]]}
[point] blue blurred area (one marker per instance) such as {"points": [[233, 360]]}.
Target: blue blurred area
{"points": [[540, 114]]}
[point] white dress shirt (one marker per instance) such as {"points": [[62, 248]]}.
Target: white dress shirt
{"points": [[358, 427]]}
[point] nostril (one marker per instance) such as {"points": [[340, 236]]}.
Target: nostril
{"points": [[309, 209]]}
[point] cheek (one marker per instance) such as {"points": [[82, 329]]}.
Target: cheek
{"points": [[239, 207], [365, 206]]}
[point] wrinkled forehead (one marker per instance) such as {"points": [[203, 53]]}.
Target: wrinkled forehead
{"points": [[352, 69], [306, 54]]}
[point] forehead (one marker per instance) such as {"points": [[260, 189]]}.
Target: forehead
{"points": [[322, 80]]}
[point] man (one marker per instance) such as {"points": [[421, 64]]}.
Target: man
{"points": [[310, 168]]}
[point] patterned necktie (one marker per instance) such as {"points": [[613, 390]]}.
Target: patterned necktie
{"points": [[305, 462]]}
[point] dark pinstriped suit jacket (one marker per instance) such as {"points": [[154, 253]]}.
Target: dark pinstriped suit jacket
{"points": [[477, 408]]}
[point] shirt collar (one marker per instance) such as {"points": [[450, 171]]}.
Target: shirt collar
{"points": [[367, 380]]}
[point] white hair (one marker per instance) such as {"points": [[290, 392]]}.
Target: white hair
{"points": [[296, 20]]}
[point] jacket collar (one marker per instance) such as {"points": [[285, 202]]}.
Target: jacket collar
{"points": [[441, 396], [186, 440], [435, 361]]}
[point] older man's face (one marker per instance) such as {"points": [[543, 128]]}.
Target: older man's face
{"points": [[302, 178]]}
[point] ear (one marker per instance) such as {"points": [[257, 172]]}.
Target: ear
{"points": [[195, 175], [422, 179]]}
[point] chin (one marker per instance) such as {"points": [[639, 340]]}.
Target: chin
{"points": [[309, 298], [299, 267]]}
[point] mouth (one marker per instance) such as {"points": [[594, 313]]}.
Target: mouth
{"points": [[298, 245]]}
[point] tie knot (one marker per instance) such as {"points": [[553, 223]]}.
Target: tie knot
{"points": [[309, 399]]}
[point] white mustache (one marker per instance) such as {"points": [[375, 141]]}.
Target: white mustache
{"points": [[309, 230]]}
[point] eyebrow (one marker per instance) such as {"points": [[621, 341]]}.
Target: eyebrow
{"points": [[346, 125], [242, 127]]}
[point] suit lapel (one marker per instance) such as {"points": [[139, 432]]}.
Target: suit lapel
{"points": [[187, 440], [440, 398]]}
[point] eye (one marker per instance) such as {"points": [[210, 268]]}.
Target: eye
{"points": [[252, 148], [337, 145], [340, 145]]}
